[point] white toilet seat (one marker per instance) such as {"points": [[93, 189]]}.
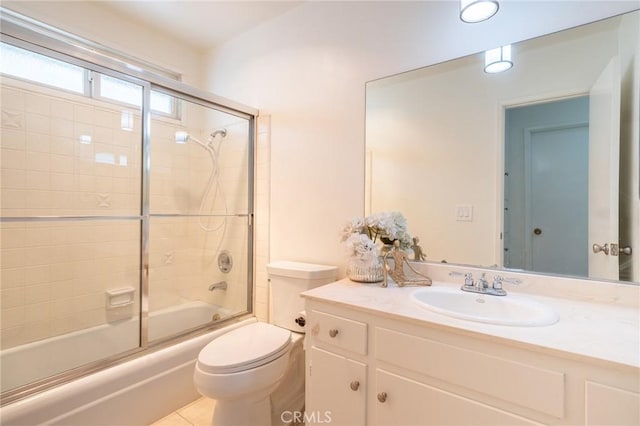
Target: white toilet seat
{"points": [[244, 348]]}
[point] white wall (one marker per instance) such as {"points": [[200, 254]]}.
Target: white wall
{"points": [[307, 68]]}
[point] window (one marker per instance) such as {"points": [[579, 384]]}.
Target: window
{"points": [[37, 68], [31, 66], [122, 91]]}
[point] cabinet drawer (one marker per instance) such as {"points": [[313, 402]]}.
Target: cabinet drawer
{"points": [[338, 332], [522, 384], [407, 402]]}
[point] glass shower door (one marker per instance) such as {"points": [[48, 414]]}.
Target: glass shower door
{"points": [[200, 222], [70, 217], [125, 216]]}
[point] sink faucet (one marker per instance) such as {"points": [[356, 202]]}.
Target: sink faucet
{"points": [[481, 285], [222, 285]]}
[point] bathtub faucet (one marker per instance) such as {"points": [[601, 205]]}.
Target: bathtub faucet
{"points": [[222, 285]]}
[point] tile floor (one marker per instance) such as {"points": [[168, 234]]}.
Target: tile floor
{"points": [[197, 413]]}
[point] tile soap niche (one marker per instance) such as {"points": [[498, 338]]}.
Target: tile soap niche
{"points": [[119, 302]]}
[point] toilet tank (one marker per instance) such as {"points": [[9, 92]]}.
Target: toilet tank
{"points": [[286, 281]]}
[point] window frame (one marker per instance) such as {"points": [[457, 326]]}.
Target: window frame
{"points": [[96, 90], [91, 86]]}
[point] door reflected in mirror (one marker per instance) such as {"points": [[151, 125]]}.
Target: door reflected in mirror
{"points": [[525, 169]]}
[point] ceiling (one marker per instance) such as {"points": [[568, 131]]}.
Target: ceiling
{"points": [[202, 24]]}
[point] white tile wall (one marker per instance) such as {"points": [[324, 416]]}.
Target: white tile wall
{"points": [[54, 274], [262, 193]]}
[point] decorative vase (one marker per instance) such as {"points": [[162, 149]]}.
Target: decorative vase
{"points": [[364, 271]]}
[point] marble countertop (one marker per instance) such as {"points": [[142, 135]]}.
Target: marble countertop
{"points": [[599, 331]]}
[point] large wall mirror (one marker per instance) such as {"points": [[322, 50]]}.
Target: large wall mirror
{"points": [[534, 168]]}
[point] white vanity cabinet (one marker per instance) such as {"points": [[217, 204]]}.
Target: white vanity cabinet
{"points": [[337, 376], [370, 368]]}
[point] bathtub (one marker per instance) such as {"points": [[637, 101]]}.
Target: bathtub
{"points": [[135, 392]]}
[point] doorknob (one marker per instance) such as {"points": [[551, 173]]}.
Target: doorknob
{"points": [[537, 231], [617, 250], [597, 248]]}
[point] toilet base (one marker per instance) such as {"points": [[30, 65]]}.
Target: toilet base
{"points": [[242, 413], [268, 395]]}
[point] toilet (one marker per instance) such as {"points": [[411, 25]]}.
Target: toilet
{"points": [[256, 372]]}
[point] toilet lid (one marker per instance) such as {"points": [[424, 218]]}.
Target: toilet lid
{"points": [[244, 348]]}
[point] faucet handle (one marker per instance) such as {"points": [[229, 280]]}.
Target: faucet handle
{"points": [[498, 280], [468, 277]]}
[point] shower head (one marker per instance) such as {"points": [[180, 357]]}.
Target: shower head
{"points": [[182, 137], [222, 132]]}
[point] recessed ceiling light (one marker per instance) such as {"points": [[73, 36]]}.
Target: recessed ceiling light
{"points": [[472, 11]]}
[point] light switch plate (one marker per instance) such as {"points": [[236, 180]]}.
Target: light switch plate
{"points": [[464, 213]]}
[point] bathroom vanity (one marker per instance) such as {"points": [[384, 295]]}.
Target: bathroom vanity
{"points": [[375, 356]]}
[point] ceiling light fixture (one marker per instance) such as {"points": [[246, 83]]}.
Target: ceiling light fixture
{"points": [[498, 59], [472, 11]]}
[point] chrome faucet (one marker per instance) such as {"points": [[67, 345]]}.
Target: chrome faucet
{"points": [[481, 285], [222, 285]]}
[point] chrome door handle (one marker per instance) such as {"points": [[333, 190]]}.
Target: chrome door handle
{"points": [[597, 248], [355, 385], [626, 250]]}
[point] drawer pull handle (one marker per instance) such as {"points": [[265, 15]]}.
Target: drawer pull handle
{"points": [[382, 396], [333, 332], [355, 385]]}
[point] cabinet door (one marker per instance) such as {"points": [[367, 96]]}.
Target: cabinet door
{"points": [[608, 406], [401, 401], [336, 390]]}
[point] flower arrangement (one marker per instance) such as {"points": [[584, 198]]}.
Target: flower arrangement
{"points": [[362, 234]]}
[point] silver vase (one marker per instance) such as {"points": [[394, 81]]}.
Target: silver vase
{"points": [[364, 272]]}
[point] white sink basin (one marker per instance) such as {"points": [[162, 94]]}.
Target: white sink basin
{"points": [[513, 310]]}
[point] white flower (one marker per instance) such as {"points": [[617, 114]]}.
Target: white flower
{"points": [[361, 246], [360, 235], [356, 225]]}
